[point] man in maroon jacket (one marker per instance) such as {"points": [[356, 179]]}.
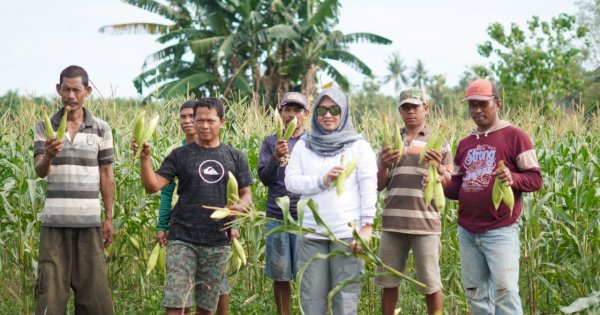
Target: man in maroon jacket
{"points": [[489, 238]]}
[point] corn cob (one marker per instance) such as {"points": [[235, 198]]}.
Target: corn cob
{"points": [[278, 124], [220, 213], [138, 127], [238, 250], [153, 259], [134, 242], [232, 190], [432, 179], [341, 179], [439, 200], [234, 262], [434, 189], [47, 124], [387, 137], [503, 190], [496, 194], [62, 128], [289, 131], [398, 142], [434, 143], [147, 134], [162, 259], [426, 147]]}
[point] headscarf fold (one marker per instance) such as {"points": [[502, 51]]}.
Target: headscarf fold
{"points": [[332, 143]]}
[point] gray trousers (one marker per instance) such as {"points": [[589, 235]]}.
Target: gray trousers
{"points": [[323, 275]]}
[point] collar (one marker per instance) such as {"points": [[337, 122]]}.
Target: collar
{"points": [[423, 132], [88, 119]]}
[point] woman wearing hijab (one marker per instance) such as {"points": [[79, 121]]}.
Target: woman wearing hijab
{"points": [[313, 167]]}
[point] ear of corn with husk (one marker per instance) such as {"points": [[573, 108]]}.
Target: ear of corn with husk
{"points": [[220, 213], [162, 259], [232, 190], [387, 137], [146, 134], [138, 126], [289, 131], [62, 128], [434, 190], [47, 124], [340, 181], [398, 144], [502, 192], [278, 124], [238, 250], [153, 259], [434, 143]]}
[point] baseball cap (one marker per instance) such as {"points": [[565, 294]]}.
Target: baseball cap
{"points": [[290, 98], [412, 95], [481, 90]]}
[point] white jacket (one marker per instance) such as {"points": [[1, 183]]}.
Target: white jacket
{"points": [[304, 175]]}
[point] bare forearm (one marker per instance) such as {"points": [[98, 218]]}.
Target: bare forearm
{"points": [[42, 166], [107, 190], [382, 178], [246, 196], [150, 180]]}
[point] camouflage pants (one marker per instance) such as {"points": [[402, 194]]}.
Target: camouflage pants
{"points": [[194, 270]]}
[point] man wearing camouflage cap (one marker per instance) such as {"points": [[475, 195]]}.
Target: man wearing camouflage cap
{"points": [[408, 223]]}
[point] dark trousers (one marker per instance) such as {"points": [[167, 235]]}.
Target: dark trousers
{"points": [[72, 258]]}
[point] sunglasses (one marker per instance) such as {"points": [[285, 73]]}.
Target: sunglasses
{"points": [[333, 110]]}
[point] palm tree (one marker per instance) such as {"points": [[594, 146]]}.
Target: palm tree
{"points": [[396, 71], [437, 90], [419, 75]]}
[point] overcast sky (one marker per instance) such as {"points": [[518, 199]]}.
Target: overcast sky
{"points": [[41, 37]]}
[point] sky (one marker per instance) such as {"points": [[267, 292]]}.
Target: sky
{"points": [[41, 37]]}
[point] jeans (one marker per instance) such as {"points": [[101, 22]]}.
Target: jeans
{"points": [[281, 254], [490, 270]]}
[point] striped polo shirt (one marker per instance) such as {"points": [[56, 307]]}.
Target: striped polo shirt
{"points": [[405, 210], [73, 181]]}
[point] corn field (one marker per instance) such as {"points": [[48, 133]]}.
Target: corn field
{"points": [[560, 231]]}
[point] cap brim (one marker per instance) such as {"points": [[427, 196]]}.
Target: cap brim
{"points": [[415, 101], [288, 103], [478, 98]]}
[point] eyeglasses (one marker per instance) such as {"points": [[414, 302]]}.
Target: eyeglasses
{"points": [[333, 110]]}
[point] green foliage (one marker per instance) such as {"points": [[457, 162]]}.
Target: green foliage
{"points": [[589, 17], [559, 227], [264, 47], [539, 65]]}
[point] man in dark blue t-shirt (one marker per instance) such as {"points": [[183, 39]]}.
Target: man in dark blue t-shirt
{"points": [[274, 153], [198, 246]]}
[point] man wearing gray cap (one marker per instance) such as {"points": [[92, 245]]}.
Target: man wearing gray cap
{"points": [[274, 153]]}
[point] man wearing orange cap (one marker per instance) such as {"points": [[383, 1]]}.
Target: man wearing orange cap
{"points": [[489, 237]]}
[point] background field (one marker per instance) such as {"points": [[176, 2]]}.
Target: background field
{"points": [[559, 227]]}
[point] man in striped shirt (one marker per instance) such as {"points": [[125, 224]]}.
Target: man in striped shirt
{"points": [[408, 223], [77, 169]]}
